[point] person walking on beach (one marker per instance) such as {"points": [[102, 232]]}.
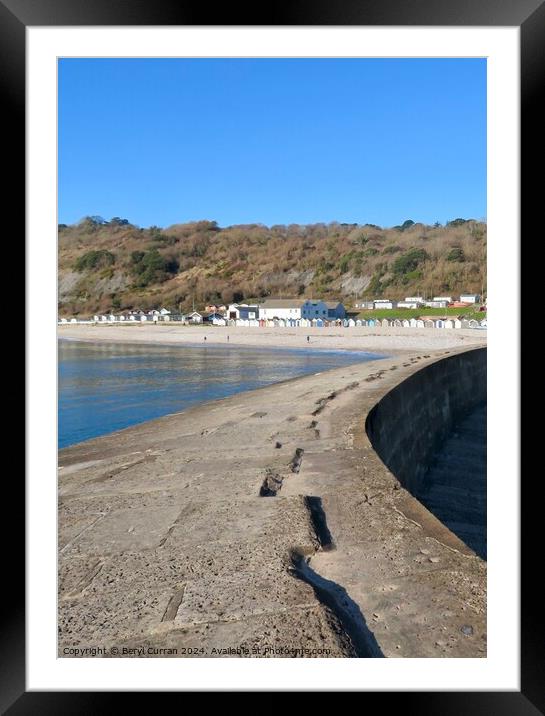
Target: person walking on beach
{"points": [[227, 339], [205, 338], [308, 339]]}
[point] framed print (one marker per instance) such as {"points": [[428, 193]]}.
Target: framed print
{"points": [[258, 283]]}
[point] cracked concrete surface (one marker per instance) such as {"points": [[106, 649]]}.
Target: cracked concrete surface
{"points": [[165, 540]]}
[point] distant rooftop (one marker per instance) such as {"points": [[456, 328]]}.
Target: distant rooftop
{"points": [[282, 303]]}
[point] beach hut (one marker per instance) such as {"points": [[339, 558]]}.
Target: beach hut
{"points": [[351, 323], [194, 317], [439, 323], [484, 323], [413, 323], [419, 323], [371, 322], [358, 322], [457, 323], [449, 324], [397, 323], [405, 323], [428, 323], [473, 323], [319, 323], [465, 323]]}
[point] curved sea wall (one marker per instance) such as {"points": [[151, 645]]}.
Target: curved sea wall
{"points": [[410, 422]]}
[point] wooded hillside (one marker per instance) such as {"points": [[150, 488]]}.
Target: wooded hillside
{"points": [[115, 265]]}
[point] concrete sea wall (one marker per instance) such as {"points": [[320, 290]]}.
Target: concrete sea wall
{"points": [[410, 422]]}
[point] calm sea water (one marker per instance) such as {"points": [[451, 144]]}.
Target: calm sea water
{"points": [[107, 387]]}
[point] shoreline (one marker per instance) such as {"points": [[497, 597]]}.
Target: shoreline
{"points": [[226, 344], [386, 341], [211, 402]]}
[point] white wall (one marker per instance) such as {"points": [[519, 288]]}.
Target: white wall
{"points": [[269, 313]]}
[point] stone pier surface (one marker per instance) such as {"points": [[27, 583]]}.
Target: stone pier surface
{"points": [[267, 524]]}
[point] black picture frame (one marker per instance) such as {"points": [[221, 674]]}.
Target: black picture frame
{"points": [[529, 15]]}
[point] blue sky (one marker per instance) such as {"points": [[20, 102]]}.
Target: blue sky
{"points": [[272, 141]]}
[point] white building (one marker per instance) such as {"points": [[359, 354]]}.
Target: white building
{"points": [[470, 298], [437, 303], [384, 303], [414, 299], [280, 308], [407, 304], [232, 313], [329, 310], [448, 299]]}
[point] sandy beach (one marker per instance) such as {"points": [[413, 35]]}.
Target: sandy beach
{"points": [[393, 341]]}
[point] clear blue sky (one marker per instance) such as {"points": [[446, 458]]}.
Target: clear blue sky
{"points": [[163, 141]]}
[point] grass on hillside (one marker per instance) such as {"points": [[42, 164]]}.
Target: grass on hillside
{"points": [[469, 312]]}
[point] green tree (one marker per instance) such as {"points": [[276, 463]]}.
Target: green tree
{"points": [[94, 260], [150, 267], [409, 261]]}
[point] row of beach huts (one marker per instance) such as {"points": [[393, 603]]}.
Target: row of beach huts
{"points": [[192, 319], [281, 312]]}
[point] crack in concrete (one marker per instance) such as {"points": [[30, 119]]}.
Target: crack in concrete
{"points": [[174, 604], [322, 402], [337, 600], [273, 480], [319, 522], [297, 459], [100, 516], [85, 582], [122, 468], [271, 484]]}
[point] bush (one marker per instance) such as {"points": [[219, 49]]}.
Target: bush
{"points": [[458, 222], [392, 249], [409, 261], [456, 254], [150, 267], [94, 259], [344, 263], [405, 225]]}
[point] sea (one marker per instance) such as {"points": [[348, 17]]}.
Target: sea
{"points": [[104, 387]]}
